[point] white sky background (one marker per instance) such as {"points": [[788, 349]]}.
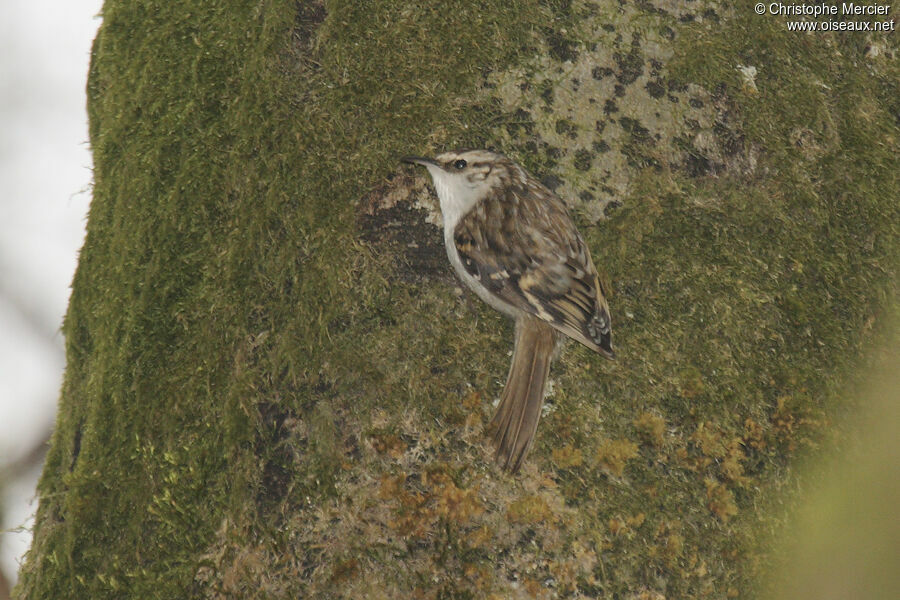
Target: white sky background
{"points": [[45, 178]]}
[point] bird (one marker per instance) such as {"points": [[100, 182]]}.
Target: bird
{"points": [[512, 242]]}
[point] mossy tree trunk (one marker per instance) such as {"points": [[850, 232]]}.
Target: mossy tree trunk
{"points": [[273, 388]]}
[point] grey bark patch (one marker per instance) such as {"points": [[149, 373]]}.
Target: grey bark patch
{"points": [[631, 65], [613, 110], [389, 218], [583, 159], [307, 20], [274, 450]]}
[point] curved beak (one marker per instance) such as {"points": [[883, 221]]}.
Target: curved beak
{"points": [[419, 160]]}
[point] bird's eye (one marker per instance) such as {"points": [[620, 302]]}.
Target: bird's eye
{"points": [[460, 164]]}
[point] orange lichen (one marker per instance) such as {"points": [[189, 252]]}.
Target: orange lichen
{"points": [[567, 456], [651, 428], [637, 520], [720, 500], [754, 435], [617, 526], [612, 455], [387, 443], [719, 448], [456, 504], [344, 570], [530, 510]]}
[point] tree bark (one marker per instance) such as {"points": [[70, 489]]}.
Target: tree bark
{"points": [[275, 389]]}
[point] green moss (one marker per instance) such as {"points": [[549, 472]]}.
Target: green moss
{"points": [[230, 142], [266, 397]]}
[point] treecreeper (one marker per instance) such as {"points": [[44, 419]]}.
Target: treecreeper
{"points": [[512, 242]]}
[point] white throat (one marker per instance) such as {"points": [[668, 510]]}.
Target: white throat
{"points": [[456, 194]]}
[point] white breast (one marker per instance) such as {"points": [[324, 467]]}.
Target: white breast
{"points": [[458, 195]]}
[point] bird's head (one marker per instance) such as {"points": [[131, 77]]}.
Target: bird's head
{"points": [[463, 177]]}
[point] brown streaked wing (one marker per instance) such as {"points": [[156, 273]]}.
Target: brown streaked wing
{"points": [[536, 261]]}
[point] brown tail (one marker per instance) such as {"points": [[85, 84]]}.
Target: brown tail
{"points": [[517, 416]]}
